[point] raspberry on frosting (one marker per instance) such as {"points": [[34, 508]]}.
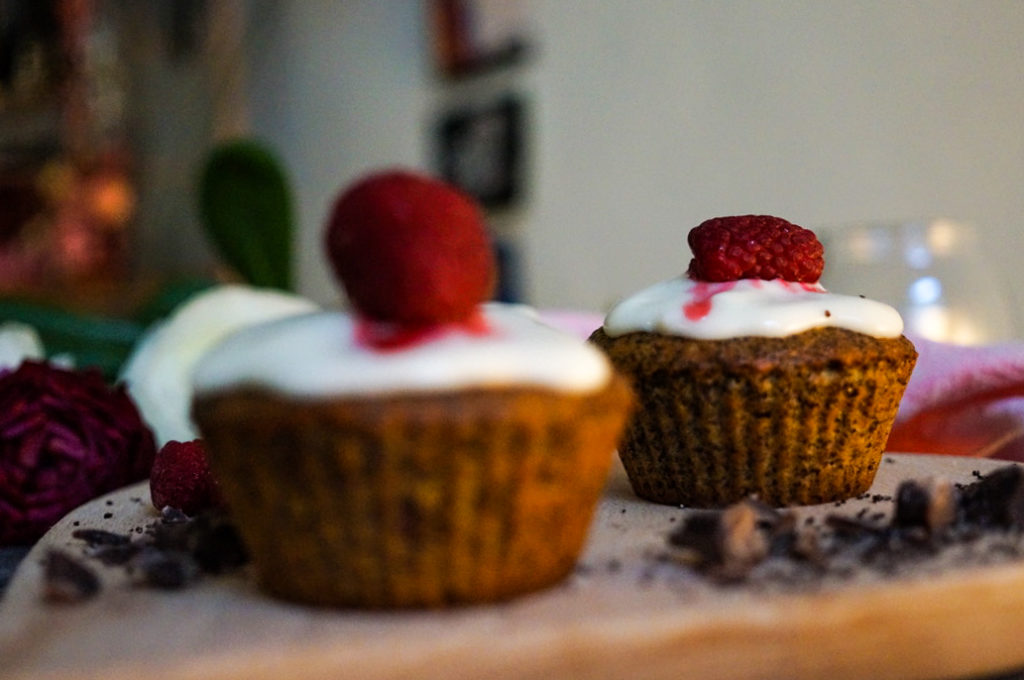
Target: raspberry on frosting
{"points": [[754, 247], [410, 249]]}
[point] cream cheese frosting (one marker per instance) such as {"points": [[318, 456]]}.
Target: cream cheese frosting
{"points": [[158, 374], [747, 307], [321, 354]]}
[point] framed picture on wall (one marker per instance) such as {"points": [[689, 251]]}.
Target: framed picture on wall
{"points": [[474, 36], [480, 150]]}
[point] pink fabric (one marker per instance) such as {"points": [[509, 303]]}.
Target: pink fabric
{"points": [[965, 401], [580, 324]]}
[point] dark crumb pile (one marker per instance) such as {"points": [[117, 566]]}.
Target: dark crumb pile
{"points": [[931, 523], [66, 579], [168, 554]]}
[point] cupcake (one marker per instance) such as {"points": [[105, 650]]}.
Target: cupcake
{"points": [[751, 378], [424, 450]]}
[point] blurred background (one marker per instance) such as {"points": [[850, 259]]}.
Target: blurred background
{"points": [[595, 132]]}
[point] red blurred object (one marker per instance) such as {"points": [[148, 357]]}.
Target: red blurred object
{"points": [[963, 401], [67, 195], [474, 36], [65, 437], [181, 478], [754, 247]]}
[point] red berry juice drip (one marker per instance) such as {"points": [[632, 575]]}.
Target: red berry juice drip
{"points": [[388, 336], [699, 306]]}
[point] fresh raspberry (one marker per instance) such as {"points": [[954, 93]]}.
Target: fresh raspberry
{"points": [[181, 478], [754, 247], [410, 249]]}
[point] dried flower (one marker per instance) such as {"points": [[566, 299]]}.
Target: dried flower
{"points": [[65, 438]]}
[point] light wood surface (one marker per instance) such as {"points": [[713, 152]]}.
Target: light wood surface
{"points": [[623, 614]]}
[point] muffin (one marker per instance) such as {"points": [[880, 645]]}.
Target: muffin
{"points": [[411, 453], [751, 378]]}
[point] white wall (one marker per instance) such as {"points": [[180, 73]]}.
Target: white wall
{"points": [[336, 88], [652, 115]]}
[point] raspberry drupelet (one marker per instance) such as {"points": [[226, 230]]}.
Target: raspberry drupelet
{"points": [[754, 247]]}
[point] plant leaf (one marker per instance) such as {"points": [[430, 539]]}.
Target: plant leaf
{"points": [[92, 341], [246, 208]]}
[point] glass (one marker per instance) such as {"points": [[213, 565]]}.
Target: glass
{"points": [[932, 271]]}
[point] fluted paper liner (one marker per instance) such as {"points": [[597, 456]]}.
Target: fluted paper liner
{"points": [[786, 428], [413, 501]]}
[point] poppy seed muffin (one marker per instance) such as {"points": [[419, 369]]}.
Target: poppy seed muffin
{"points": [[424, 500], [753, 386], [428, 448], [796, 420]]}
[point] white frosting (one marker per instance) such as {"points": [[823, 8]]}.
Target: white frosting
{"points": [[749, 307], [159, 371], [319, 355], [18, 342]]}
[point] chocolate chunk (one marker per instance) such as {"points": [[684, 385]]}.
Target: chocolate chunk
{"points": [[67, 580], [698, 536], [742, 541], [929, 506], [164, 569], [752, 543], [170, 553], [112, 555], [944, 500], [728, 542], [98, 537], [805, 546], [220, 549], [995, 500], [911, 505]]}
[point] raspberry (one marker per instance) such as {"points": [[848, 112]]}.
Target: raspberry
{"points": [[181, 478], [754, 247], [410, 249]]}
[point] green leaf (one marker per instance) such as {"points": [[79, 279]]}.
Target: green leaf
{"points": [[246, 208], [92, 341]]}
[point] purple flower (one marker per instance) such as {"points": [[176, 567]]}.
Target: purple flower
{"points": [[65, 438]]}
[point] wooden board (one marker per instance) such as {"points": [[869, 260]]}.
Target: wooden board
{"points": [[623, 614]]}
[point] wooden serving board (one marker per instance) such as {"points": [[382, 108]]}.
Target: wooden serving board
{"points": [[622, 614]]}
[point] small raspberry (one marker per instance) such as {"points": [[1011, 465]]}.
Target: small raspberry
{"points": [[410, 249], [754, 247], [181, 478]]}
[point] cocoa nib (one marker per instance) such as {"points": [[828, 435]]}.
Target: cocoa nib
{"points": [[66, 580], [164, 569], [995, 500], [100, 537], [219, 549], [106, 546], [728, 545], [209, 539], [930, 506], [169, 553]]}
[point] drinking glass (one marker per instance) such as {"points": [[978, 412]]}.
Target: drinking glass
{"points": [[932, 271]]}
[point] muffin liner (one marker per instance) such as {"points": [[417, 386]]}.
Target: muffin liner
{"points": [[787, 432], [413, 501]]}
